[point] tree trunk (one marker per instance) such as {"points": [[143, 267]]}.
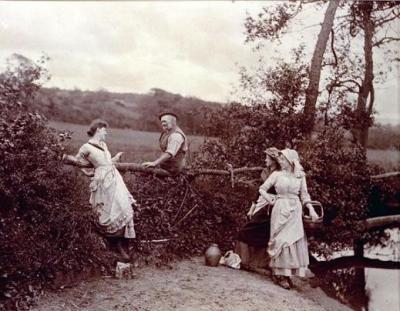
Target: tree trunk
{"points": [[316, 64], [364, 111]]}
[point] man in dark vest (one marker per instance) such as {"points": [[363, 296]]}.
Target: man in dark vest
{"points": [[173, 144]]}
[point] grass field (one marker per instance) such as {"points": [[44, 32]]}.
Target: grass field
{"points": [[387, 159], [137, 146], [143, 146]]}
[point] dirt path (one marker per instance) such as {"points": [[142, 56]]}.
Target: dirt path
{"points": [[191, 286]]}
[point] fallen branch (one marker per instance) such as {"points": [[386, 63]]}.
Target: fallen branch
{"points": [[385, 175], [155, 241], [353, 261], [380, 222], [186, 215], [135, 167], [183, 201]]}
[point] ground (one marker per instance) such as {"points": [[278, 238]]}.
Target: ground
{"points": [[191, 286]]}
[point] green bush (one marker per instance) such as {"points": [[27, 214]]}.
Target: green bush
{"points": [[45, 219], [337, 170], [176, 211]]}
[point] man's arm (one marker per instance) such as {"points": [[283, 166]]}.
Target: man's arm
{"points": [[174, 143], [162, 158]]}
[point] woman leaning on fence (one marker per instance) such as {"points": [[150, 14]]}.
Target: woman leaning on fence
{"points": [[109, 196], [253, 238]]}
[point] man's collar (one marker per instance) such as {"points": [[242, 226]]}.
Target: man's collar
{"points": [[168, 131]]}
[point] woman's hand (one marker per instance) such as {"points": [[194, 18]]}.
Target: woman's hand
{"points": [[117, 157], [251, 210], [88, 172], [314, 216]]}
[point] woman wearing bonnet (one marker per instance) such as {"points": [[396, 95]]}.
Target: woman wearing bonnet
{"points": [[109, 196], [287, 245], [252, 240]]}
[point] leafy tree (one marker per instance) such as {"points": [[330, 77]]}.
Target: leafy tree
{"points": [[336, 168], [271, 23], [346, 72], [371, 20]]}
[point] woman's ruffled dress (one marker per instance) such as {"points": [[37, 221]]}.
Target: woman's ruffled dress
{"points": [[110, 198]]}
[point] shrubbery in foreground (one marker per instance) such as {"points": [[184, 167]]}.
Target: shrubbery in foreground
{"points": [[45, 220]]}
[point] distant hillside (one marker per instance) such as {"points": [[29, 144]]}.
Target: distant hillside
{"points": [[384, 137], [140, 112], [123, 110]]}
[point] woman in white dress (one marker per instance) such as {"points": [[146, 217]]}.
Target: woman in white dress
{"points": [[109, 196], [287, 246]]}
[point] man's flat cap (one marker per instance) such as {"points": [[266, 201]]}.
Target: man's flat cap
{"points": [[167, 114]]}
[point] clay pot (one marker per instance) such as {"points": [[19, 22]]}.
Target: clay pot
{"points": [[213, 255]]}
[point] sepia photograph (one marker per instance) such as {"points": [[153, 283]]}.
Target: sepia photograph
{"points": [[200, 155]]}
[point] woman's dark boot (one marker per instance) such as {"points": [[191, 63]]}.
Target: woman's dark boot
{"points": [[282, 281], [121, 250]]}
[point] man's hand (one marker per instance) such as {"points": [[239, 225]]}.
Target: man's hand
{"points": [[165, 156], [149, 164]]}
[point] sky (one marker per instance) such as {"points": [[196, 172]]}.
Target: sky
{"points": [[193, 48]]}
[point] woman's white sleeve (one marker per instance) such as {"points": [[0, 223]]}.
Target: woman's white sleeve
{"points": [[304, 195], [82, 153], [269, 182]]}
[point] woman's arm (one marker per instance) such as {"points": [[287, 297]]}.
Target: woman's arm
{"points": [[305, 199], [83, 153], [117, 157], [268, 184], [82, 157]]}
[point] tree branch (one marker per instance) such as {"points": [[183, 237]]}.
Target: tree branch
{"points": [[135, 167], [351, 81], [384, 20], [333, 47], [385, 40], [379, 222], [385, 175], [353, 261]]}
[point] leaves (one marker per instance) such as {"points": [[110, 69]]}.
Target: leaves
{"points": [[46, 224]]}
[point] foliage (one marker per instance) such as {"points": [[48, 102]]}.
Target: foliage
{"points": [[384, 137], [347, 285], [122, 110], [281, 87], [187, 219], [349, 76], [337, 171], [271, 22], [338, 175], [45, 220]]}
